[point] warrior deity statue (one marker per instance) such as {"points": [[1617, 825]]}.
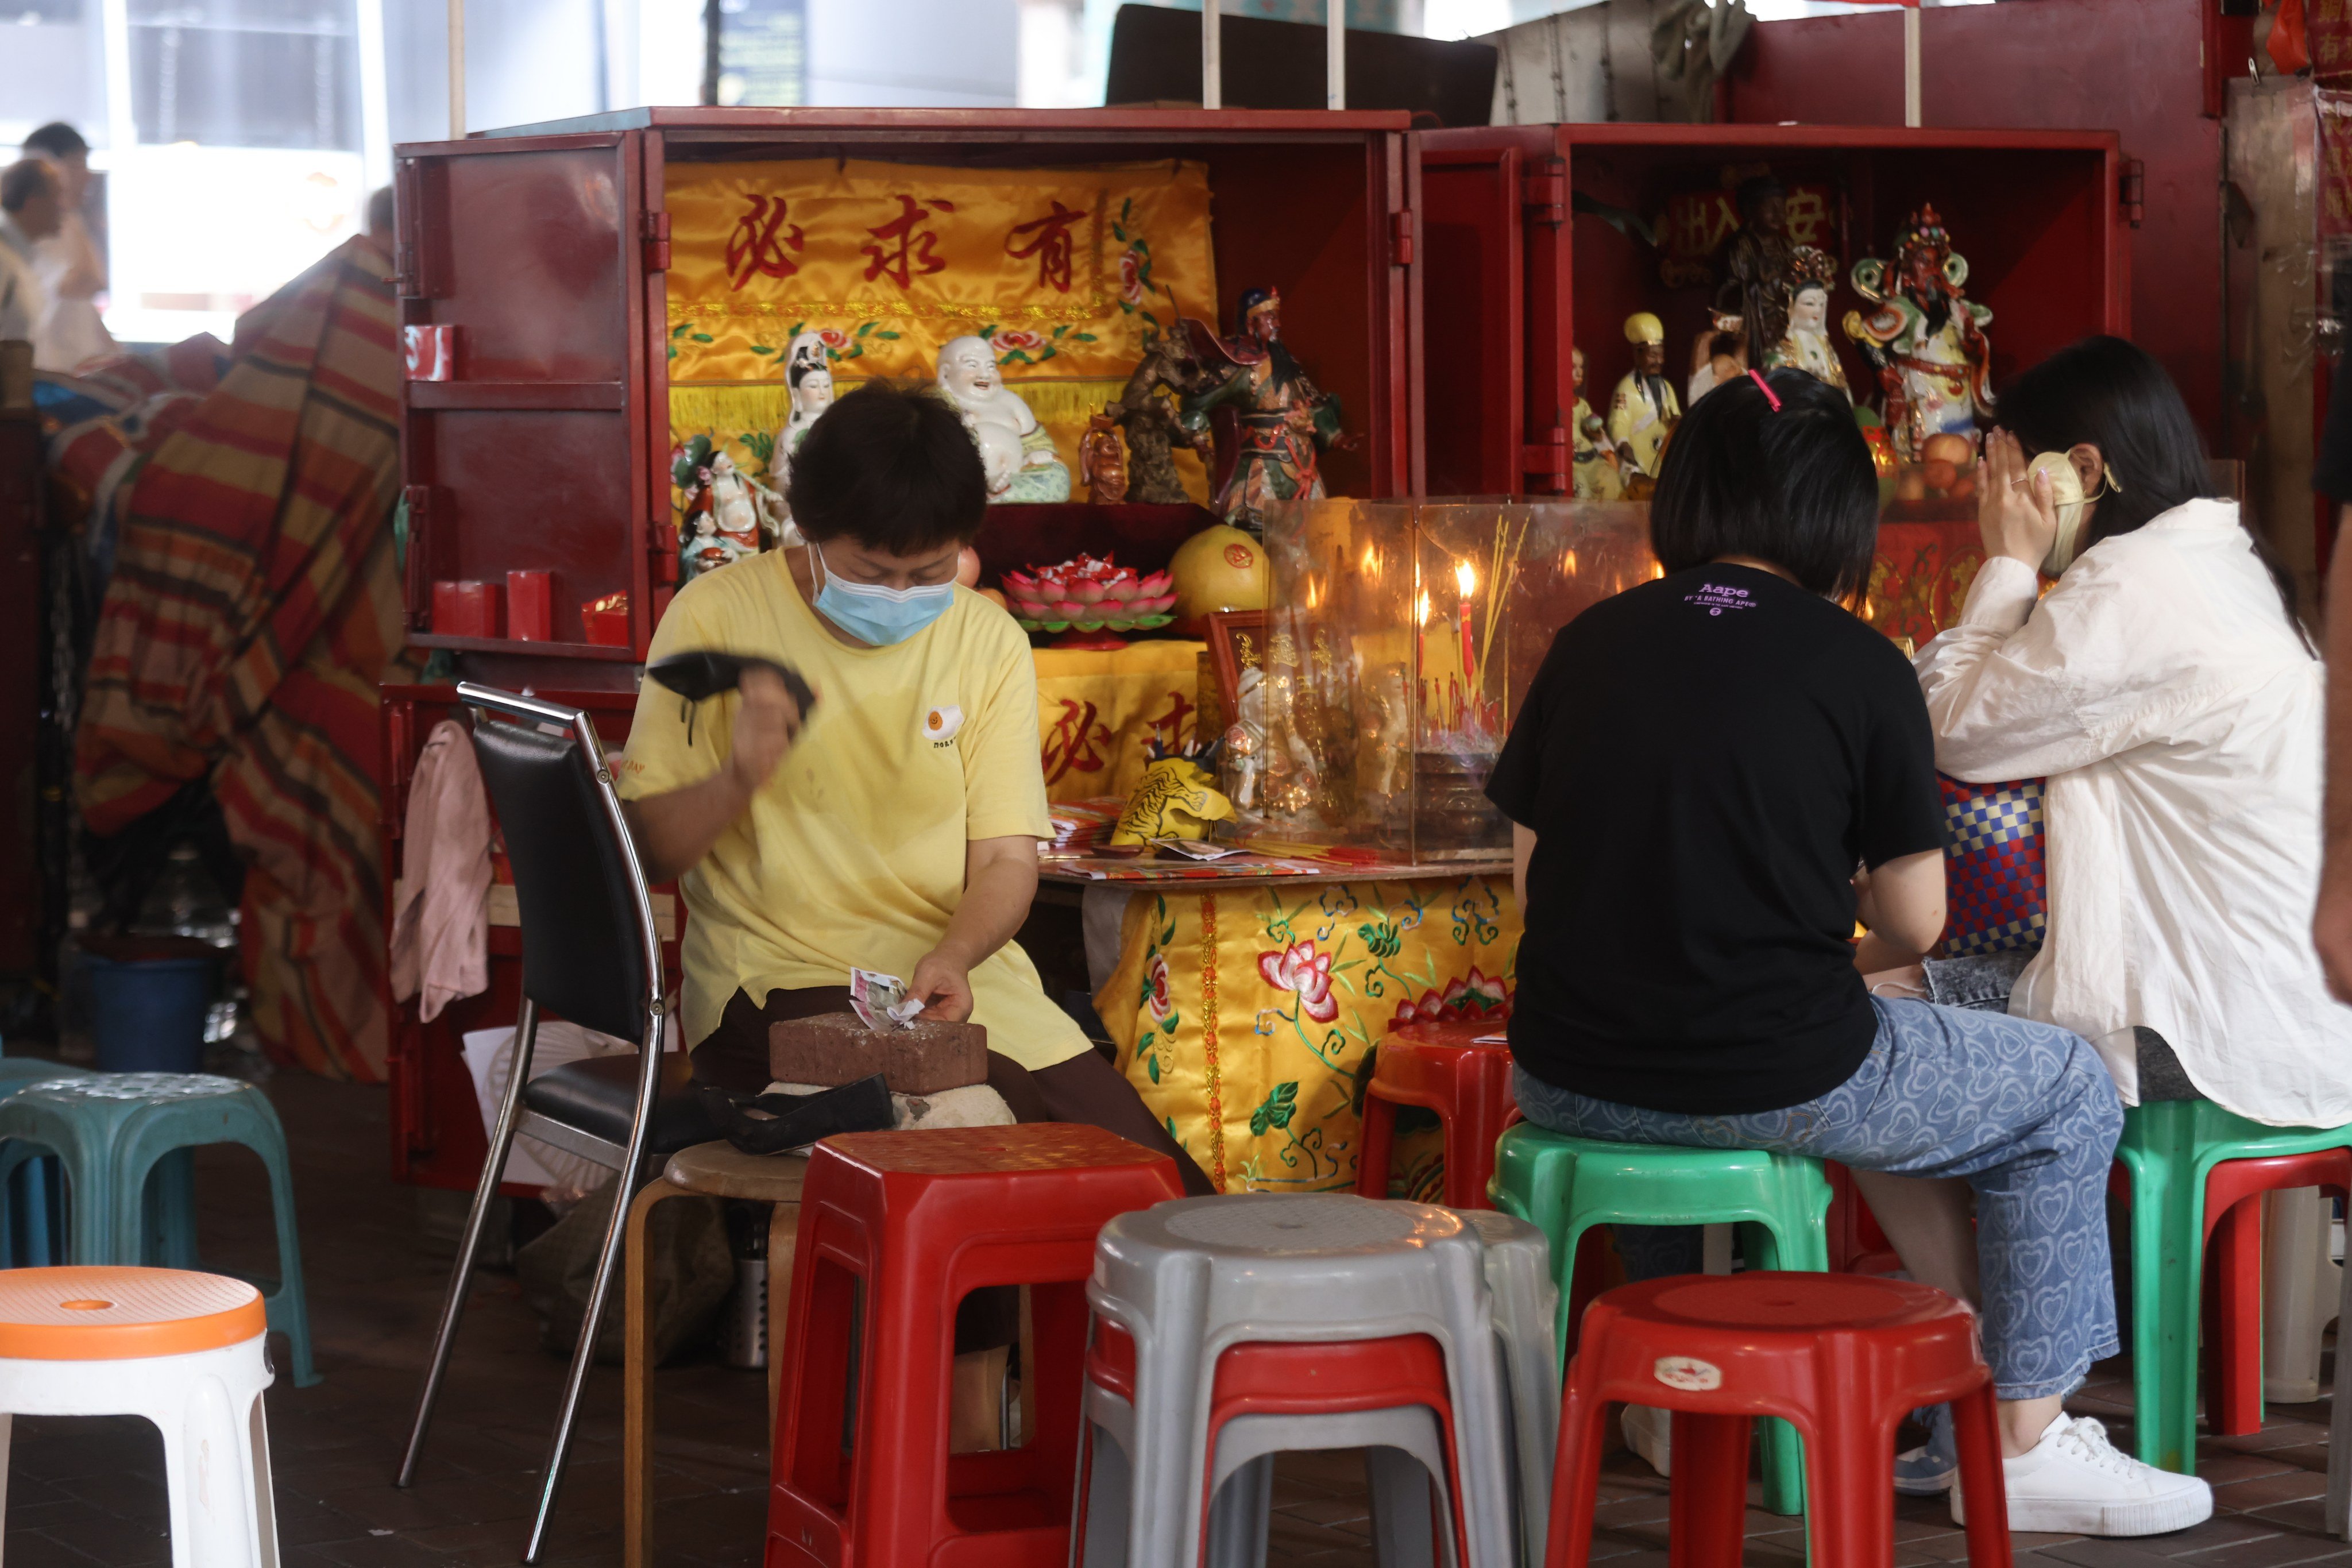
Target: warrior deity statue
{"points": [[1284, 419], [1925, 338]]}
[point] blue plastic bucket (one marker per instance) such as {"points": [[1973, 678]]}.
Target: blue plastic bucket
{"points": [[149, 1014]]}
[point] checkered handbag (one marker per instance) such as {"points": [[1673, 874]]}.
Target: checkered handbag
{"points": [[1996, 886]]}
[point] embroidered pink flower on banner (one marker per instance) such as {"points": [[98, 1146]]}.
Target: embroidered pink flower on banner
{"points": [[833, 338], [1163, 1003], [1130, 277], [1300, 968], [1012, 340]]}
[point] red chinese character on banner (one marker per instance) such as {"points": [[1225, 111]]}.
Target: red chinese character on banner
{"points": [[1075, 742], [909, 251], [1808, 220], [761, 238], [1173, 728], [1051, 245]]}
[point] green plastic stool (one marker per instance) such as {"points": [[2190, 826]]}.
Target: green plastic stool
{"points": [[1564, 1186], [2168, 1148], [114, 1132], [30, 1197]]}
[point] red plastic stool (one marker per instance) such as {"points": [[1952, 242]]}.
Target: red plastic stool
{"points": [[2233, 1274], [1857, 1244], [1303, 1379], [1440, 1068], [1842, 1356], [894, 1229]]}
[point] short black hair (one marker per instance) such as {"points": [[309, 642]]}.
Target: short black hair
{"points": [[56, 139], [1796, 487], [380, 211], [892, 468], [22, 181]]}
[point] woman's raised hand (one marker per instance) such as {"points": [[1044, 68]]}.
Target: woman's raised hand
{"points": [[2015, 511], [765, 727]]}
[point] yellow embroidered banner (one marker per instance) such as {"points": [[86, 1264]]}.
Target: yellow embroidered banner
{"points": [[1056, 267], [1098, 709], [1243, 1018]]}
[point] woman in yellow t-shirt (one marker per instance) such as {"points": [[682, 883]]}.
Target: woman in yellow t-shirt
{"points": [[896, 831], [899, 830]]}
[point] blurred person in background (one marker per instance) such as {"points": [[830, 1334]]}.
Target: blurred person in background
{"points": [[31, 206], [68, 261]]}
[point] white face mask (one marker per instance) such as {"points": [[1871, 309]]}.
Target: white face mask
{"points": [[2066, 498]]}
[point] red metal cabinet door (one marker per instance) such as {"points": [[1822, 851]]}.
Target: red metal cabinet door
{"points": [[1475, 413], [533, 249]]}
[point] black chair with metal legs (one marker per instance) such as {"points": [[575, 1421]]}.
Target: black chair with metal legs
{"points": [[591, 956]]}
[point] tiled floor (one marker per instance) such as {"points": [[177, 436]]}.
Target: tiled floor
{"points": [[89, 1491]]}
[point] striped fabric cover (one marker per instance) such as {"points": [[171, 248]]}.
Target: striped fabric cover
{"points": [[253, 609]]}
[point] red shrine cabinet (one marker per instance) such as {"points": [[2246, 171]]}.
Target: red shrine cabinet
{"points": [[1537, 239], [584, 302]]}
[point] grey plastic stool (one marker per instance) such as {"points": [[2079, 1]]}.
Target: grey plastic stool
{"points": [[1527, 1304], [1191, 1278], [1404, 1459]]}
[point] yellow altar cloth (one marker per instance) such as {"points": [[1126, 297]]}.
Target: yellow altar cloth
{"points": [[1099, 709], [1244, 1016]]}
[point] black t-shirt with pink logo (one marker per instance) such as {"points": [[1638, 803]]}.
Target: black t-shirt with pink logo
{"points": [[1705, 759]]}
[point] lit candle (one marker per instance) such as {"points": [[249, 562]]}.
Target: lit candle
{"points": [[1421, 646], [1465, 578]]}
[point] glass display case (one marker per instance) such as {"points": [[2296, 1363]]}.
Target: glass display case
{"points": [[1401, 638]]}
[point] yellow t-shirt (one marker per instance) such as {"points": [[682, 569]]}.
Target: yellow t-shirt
{"points": [[853, 852]]}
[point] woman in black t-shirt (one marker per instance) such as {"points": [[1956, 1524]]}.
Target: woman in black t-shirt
{"points": [[1695, 774]]}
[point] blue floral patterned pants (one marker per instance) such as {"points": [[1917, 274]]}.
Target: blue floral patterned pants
{"points": [[2024, 1112]]}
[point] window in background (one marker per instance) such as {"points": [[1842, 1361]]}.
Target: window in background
{"points": [[241, 134], [764, 52]]}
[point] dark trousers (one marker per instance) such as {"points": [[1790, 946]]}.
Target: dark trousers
{"points": [[1086, 1089]]}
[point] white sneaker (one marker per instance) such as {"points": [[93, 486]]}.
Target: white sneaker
{"points": [[2076, 1482], [1649, 1432]]}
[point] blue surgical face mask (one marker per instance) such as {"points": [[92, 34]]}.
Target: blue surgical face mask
{"points": [[876, 615]]}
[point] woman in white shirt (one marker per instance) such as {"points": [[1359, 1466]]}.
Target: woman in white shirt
{"points": [[2166, 691]]}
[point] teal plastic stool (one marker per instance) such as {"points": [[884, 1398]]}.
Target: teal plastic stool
{"points": [[1564, 1186], [127, 1143], [2168, 1148], [33, 1203]]}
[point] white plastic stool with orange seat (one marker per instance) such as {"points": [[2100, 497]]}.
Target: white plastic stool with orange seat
{"points": [[183, 1350]]}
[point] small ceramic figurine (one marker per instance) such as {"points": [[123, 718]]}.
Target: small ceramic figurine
{"points": [[1246, 739], [1642, 412], [1150, 419], [1718, 355], [1595, 475], [705, 548], [747, 512], [1759, 284], [1102, 466], [1925, 338], [1283, 419], [808, 381], [1806, 344], [1392, 730], [1015, 451]]}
